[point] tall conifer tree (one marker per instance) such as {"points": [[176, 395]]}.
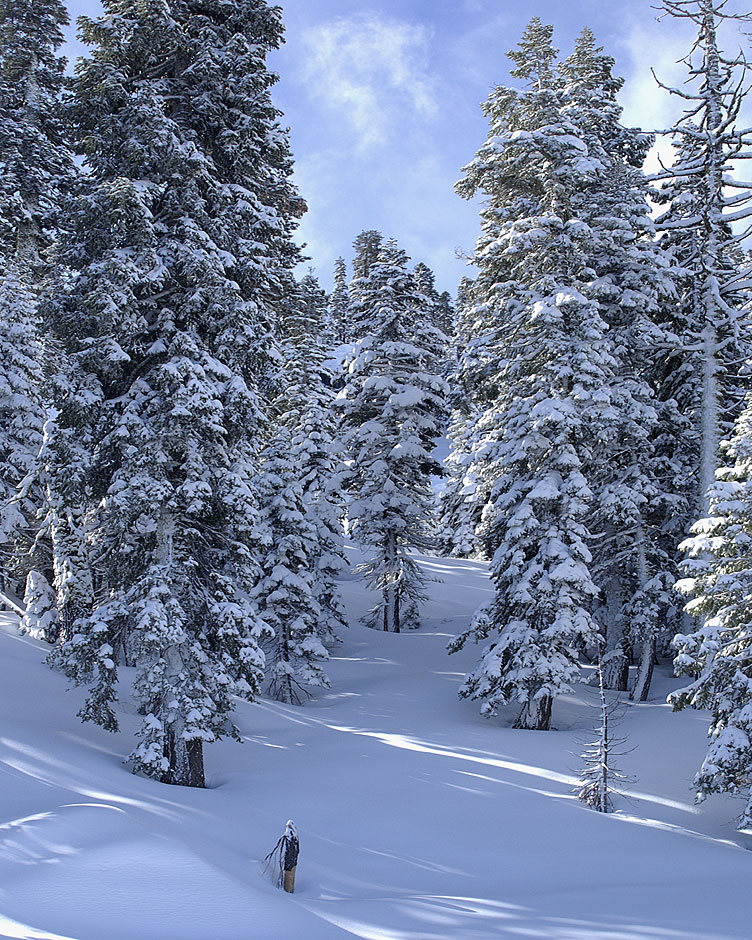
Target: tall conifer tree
{"points": [[393, 406], [716, 657], [309, 413], [566, 273], [183, 253], [35, 169], [542, 346], [465, 496], [338, 325], [302, 509], [286, 589], [628, 275]]}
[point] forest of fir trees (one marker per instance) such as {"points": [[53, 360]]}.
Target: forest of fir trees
{"points": [[189, 429]]}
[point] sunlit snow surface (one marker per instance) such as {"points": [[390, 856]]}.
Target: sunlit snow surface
{"points": [[419, 820]]}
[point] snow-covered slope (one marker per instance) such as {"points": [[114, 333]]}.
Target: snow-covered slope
{"points": [[419, 820]]}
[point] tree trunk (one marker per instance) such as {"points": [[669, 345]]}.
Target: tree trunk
{"points": [[641, 688], [72, 571], [709, 413], [645, 671], [67, 619], [391, 594], [186, 760], [616, 657], [185, 757], [616, 666], [536, 714], [605, 743], [712, 251]]}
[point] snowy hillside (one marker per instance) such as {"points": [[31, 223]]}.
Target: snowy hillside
{"points": [[419, 820]]}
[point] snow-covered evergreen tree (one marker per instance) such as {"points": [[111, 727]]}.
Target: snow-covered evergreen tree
{"points": [[40, 618], [627, 274], [439, 312], [338, 325], [392, 409], [64, 465], [540, 619], [541, 344], [465, 496], [286, 590], [35, 167], [321, 470], [183, 252], [567, 302], [676, 361], [303, 324], [717, 656], [305, 409], [707, 373], [460, 501], [445, 313], [21, 415], [701, 372], [366, 248], [34, 160], [302, 513]]}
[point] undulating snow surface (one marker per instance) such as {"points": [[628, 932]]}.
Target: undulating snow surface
{"points": [[418, 819]]}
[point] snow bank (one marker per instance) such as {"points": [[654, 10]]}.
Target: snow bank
{"points": [[418, 819]]}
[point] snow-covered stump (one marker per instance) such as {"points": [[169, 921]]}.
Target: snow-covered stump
{"points": [[284, 857], [40, 617]]}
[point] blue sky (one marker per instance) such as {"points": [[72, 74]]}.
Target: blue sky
{"points": [[382, 99]]}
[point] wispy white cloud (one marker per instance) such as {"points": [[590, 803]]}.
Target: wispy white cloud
{"points": [[369, 70], [654, 52]]}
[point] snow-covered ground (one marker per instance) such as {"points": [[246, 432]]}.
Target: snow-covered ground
{"points": [[419, 820]]}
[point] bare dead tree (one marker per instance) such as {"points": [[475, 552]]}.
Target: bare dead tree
{"points": [[599, 776]]}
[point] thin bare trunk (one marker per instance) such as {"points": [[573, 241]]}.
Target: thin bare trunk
{"points": [[391, 593], [645, 670], [616, 658], [185, 756], [647, 654]]}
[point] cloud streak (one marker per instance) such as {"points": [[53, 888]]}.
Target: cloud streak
{"points": [[371, 72]]}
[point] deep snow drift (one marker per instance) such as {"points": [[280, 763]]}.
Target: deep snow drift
{"points": [[419, 820]]}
